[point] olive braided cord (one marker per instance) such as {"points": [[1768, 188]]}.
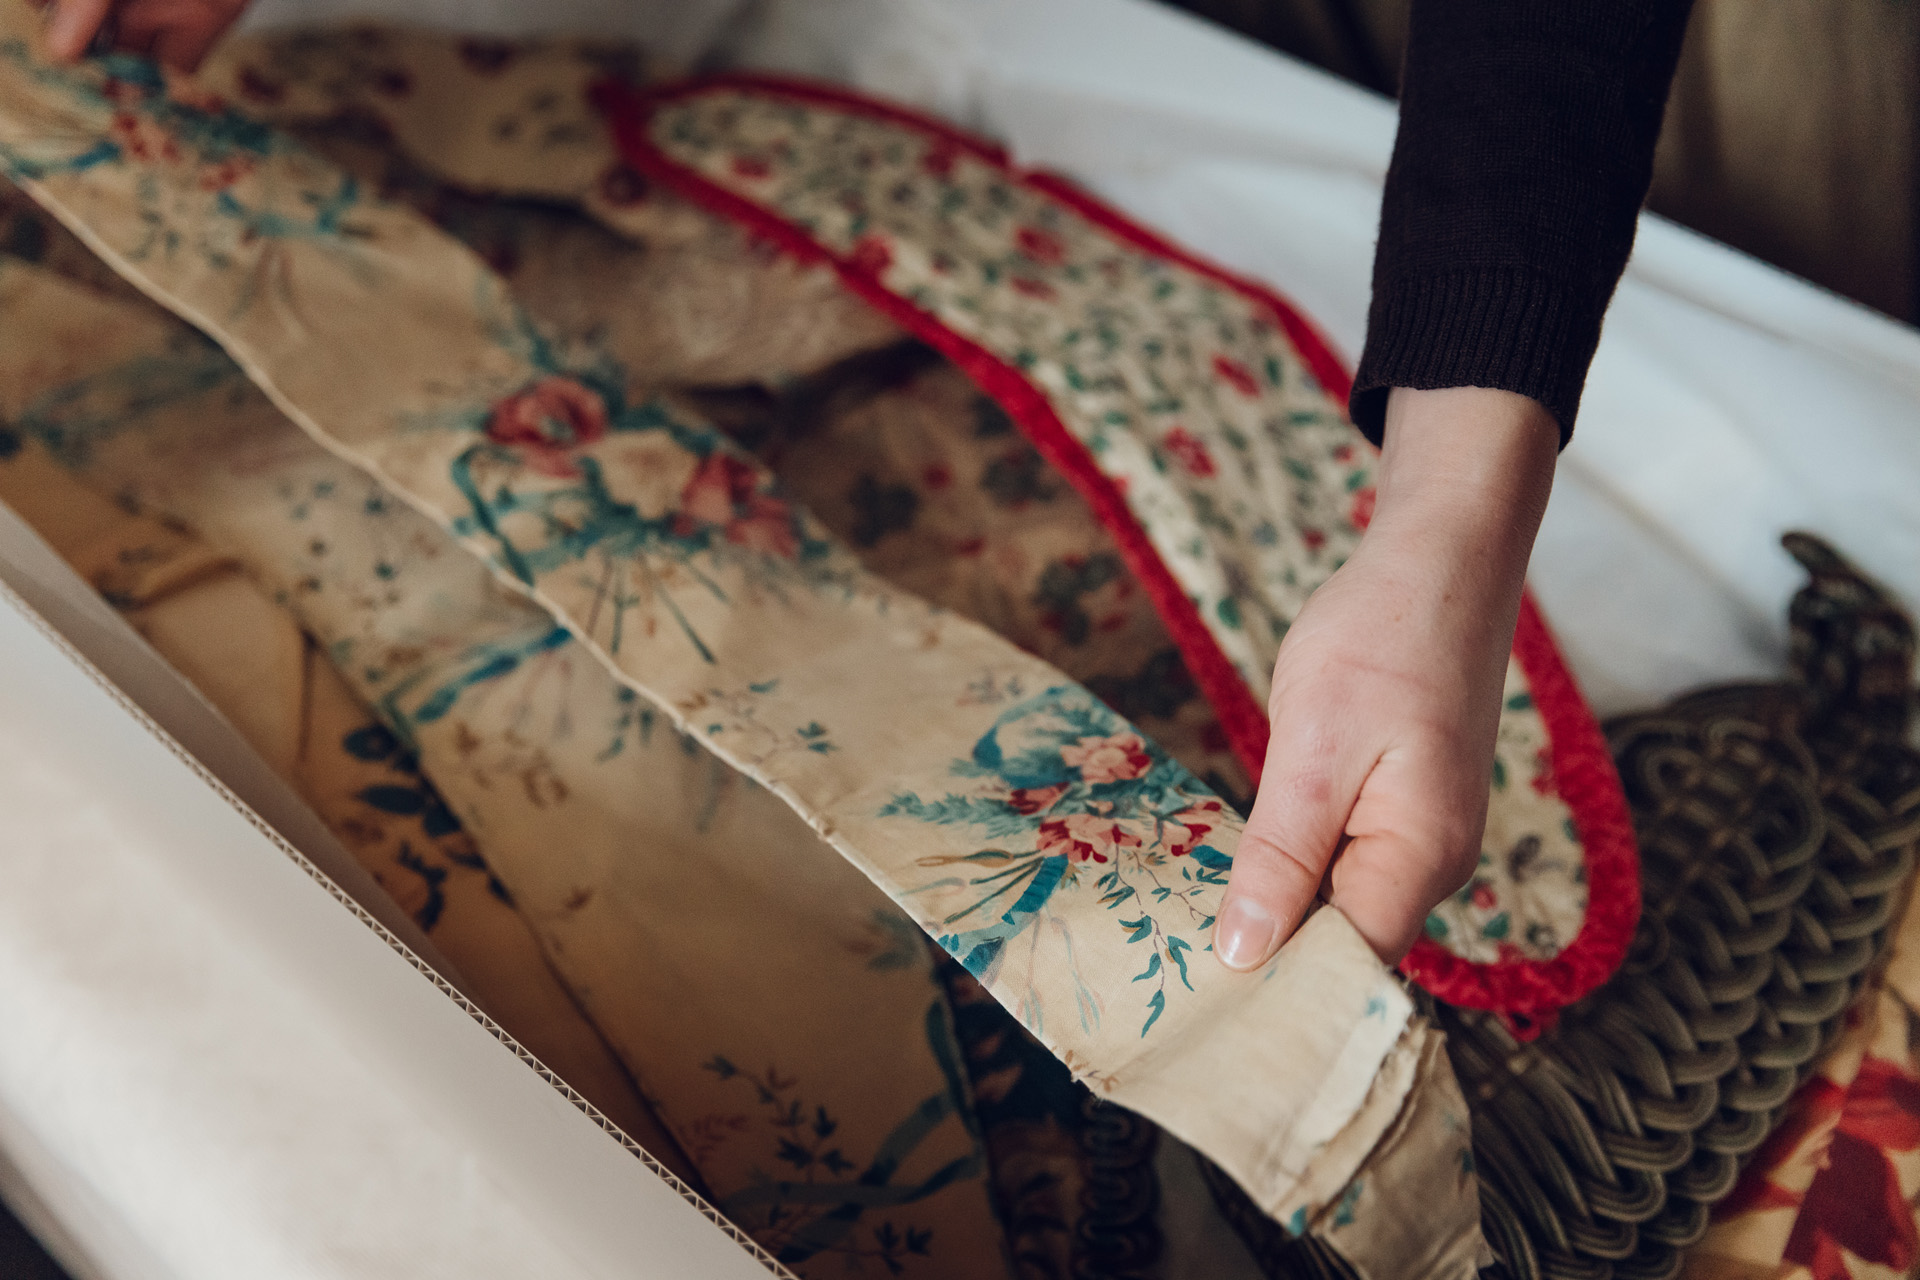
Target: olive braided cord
{"points": [[1777, 826]]}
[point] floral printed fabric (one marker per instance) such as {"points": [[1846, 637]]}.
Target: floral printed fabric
{"points": [[1193, 415], [922, 474], [248, 656], [927, 479], [925, 750], [1230, 453], [698, 306], [647, 870]]}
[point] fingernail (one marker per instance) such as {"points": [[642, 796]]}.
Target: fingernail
{"points": [[1246, 933]]}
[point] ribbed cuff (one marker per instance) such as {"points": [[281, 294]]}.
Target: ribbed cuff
{"points": [[1511, 329]]}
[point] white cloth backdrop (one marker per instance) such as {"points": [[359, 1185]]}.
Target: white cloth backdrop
{"points": [[208, 1068]]}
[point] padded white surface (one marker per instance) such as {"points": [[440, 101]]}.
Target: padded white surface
{"points": [[211, 1068]]}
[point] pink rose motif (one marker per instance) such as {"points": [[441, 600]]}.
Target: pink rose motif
{"points": [[220, 176], [545, 422], [718, 487], [1086, 836], [939, 159], [766, 527], [1361, 513], [1032, 800], [143, 139], [1038, 289], [1188, 830], [723, 492], [1236, 375], [871, 255], [751, 167], [1112, 759], [1483, 896], [1544, 782], [1042, 246], [1190, 452]]}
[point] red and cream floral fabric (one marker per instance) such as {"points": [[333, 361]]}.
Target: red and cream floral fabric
{"points": [[1200, 419]]}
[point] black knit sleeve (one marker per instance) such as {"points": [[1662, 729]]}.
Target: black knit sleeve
{"points": [[1526, 140]]}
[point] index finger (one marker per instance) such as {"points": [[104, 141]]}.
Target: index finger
{"points": [[1299, 815]]}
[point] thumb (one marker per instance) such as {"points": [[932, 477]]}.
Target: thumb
{"points": [[1298, 818], [72, 25]]}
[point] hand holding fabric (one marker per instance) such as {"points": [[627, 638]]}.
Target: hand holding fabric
{"points": [[1386, 693]]}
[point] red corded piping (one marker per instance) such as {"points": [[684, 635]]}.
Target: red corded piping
{"points": [[1527, 992]]}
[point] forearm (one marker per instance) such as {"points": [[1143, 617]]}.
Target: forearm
{"points": [[1464, 477], [1464, 480], [1525, 148]]}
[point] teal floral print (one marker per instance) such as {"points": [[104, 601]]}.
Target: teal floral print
{"points": [[1073, 799], [815, 1200]]}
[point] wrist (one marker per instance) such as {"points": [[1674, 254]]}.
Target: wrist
{"points": [[1466, 470]]}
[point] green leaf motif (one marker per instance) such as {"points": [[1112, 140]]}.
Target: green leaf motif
{"points": [[1177, 948], [1158, 1006]]}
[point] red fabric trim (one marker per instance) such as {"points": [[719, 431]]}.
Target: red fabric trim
{"points": [[1241, 717], [1530, 992], [1527, 993]]}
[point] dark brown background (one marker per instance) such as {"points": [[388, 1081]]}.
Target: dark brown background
{"points": [[1792, 132]]}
